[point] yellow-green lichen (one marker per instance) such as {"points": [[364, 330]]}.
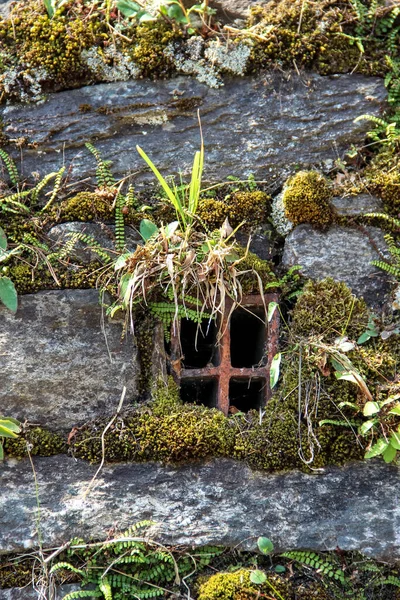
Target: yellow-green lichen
{"points": [[306, 199], [29, 279]]}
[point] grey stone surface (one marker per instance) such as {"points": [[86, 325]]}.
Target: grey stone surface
{"points": [[220, 502], [343, 253], [103, 234], [58, 368], [351, 206], [29, 593], [266, 125]]}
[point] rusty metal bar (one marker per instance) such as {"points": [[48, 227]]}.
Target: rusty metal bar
{"points": [[225, 372]]}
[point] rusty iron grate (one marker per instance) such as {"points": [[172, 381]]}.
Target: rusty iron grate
{"points": [[233, 373]]}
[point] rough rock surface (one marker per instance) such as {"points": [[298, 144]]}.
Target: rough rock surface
{"points": [[28, 593], [266, 125], [351, 206], [58, 368], [343, 253], [103, 234], [220, 502]]}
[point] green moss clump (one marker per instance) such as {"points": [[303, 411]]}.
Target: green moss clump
{"points": [[237, 586], [250, 263], [318, 36], [55, 44], [41, 442], [212, 212], [169, 432], [252, 208], [15, 573], [151, 39], [29, 280], [85, 206], [328, 309], [384, 181], [144, 330], [306, 199]]}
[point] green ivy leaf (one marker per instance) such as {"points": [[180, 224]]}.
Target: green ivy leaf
{"points": [[265, 545], [147, 229], [275, 368], [258, 577], [377, 449], [364, 337], [8, 294]]}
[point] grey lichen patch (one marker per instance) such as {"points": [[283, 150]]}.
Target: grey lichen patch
{"points": [[207, 63], [281, 223], [23, 84], [110, 64]]}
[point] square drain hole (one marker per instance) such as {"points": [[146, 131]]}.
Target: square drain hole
{"points": [[199, 391], [247, 394], [248, 338], [198, 343]]}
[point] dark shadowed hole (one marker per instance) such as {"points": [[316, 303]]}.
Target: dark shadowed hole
{"points": [[198, 344], [199, 391], [246, 394], [248, 337]]}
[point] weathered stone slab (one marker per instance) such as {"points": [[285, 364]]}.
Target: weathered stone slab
{"points": [[266, 125], [58, 367], [352, 206], [343, 253], [220, 502], [29, 593]]}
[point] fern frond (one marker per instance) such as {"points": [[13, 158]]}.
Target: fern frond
{"points": [[322, 565], [119, 224], [10, 166], [56, 189], [68, 566], [391, 220], [105, 588], [390, 580], [103, 174], [83, 594], [14, 200]]}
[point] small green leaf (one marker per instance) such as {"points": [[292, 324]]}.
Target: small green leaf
{"points": [[377, 448], [1, 451], [365, 427], [280, 569], [390, 454], [364, 337], [395, 440], [265, 545], [147, 229], [8, 294], [395, 410], [272, 306], [175, 12], [258, 577], [171, 228], [121, 261], [3, 239], [128, 8], [275, 368], [371, 408]]}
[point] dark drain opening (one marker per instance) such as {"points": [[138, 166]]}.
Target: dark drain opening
{"points": [[199, 391], [198, 344], [248, 338], [246, 394]]}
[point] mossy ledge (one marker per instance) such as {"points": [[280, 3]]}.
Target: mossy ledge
{"points": [[82, 44]]}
